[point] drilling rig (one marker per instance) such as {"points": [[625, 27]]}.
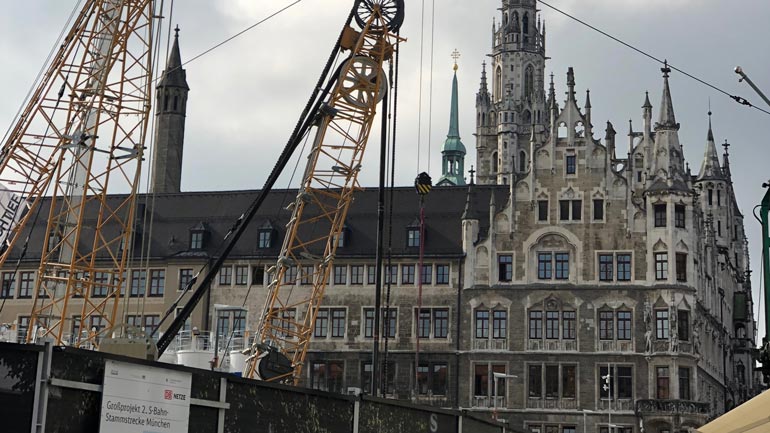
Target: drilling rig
{"points": [[80, 139]]}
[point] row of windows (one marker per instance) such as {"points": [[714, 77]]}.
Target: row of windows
{"points": [[661, 266], [571, 210], [266, 236], [102, 284], [431, 377], [661, 215], [148, 322], [341, 275]]}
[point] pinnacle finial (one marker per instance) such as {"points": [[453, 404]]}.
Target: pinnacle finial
{"points": [[176, 31], [665, 69], [726, 145], [456, 55]]}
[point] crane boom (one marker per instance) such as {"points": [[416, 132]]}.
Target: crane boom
{"points": [[320, 208], [80, 137]]}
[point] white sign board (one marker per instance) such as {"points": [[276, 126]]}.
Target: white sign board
{"points": [[143, 399], [11, 210]]}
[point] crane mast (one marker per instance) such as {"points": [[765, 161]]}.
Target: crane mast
{"points": [[79, 140], [316, 226]]}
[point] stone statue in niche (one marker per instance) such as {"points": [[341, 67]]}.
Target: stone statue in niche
{"points": [[648, 341]]}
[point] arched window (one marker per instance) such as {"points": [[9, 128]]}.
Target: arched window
{"points": [[483, 119], [505, 19], [492, 118], [525, 27], [495, 166], [529, 81], [526, 117], [522, 161], [516, 22], [499, 83]]}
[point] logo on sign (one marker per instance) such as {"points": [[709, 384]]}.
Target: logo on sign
{"points": [[168, 394], [433, 423]]}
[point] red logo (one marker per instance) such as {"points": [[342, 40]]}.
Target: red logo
{"points": [[168, 394]]}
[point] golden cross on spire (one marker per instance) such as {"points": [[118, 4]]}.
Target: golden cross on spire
{"points": [[455, 56]]}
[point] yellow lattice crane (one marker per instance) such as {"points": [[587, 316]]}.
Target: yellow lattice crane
{"points": [[318, 216], [79, 140]]}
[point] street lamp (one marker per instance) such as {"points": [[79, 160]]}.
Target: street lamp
{"points": [[497, 376]]}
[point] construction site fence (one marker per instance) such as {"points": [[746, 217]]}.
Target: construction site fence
{"points": [[57, 389]]}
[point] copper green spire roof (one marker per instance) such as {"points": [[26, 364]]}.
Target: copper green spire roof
{"points": [[453, 151], [453, 142]]}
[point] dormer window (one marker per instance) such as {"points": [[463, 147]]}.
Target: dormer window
{"points": [[413, 234], [198, 236], [341, 239], [264, 240], [265, 236]]}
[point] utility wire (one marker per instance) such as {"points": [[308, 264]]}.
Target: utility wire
{"points": [[736, 98]]}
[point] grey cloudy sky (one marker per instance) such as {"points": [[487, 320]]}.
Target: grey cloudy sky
{"points": [[246, 96]]}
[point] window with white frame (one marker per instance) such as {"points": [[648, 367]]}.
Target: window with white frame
{"points": [[432, 322]]}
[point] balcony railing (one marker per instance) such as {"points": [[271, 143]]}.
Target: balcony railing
{"points": [[488, 401], [487, 344], [615, 346], [552, 345], [671, 407], [618, 404], [552, 403]]}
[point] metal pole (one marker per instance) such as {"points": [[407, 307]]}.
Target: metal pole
{"points": [[739, 71], [764, 210], [584, 422], [379, 254], [494, 403]]}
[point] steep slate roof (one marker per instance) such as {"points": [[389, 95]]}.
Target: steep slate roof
{"points": [[174, 215]]}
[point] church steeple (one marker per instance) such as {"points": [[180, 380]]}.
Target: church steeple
{"points": [[710, 168], [453, 152], [171, 110]]}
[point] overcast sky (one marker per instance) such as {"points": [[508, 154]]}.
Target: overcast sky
{"points": [[246, 96]]}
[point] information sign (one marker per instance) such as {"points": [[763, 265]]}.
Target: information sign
{"points": [[144, 399]]}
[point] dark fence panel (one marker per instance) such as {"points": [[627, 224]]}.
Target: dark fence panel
{"points": [[270, 408], [383, 416], [18, 368], [74, 401]]}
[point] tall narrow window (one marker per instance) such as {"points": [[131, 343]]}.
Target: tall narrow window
{"points": [[624, 267], [529, 81], [413, 237], [499, 324], [544, 266], [157, 282], [625, 382], [624, 325], [571, 162], [225, 276], [552, 325], [505, 267], [407, 274], [660, 215], [564, 210], [264, 238], [338, 322], [719, 198], [711, 197], [661, 374], [606, 325], [661, 324], [356, 274], [482, 323], [542, 210], [679, 216], [535, 374], [568, 325], [442, 274], [241, 275], [568, 382], [321, 328], [683, 325], [681, 267], [522, 161], [440, 323], [551, 381], [535, 325], [8, 287], [562, 266], [598, 209], [423, 323], [661, 266], [185, 276], [577, 208], [605, 267], [138, 283]]}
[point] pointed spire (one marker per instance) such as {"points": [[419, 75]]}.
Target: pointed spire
{"points": [[174, 75], [454, 116], [453, 151], [484, 88], [726, 161], [552, 94], [571, 84], [647, 104], [667, 118], [469, 213], [710, 167], [588, 98]]}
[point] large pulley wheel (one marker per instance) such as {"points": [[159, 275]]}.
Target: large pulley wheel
{"points": [[391, 14], [359, 82]]}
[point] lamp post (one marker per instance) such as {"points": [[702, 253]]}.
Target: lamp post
{"points": [[497, 376]]}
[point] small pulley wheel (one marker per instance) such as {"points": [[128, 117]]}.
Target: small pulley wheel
{"points": [[359, 82], [391, 14]]}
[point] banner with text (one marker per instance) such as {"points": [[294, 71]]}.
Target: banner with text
{"points": [[143, 399]]}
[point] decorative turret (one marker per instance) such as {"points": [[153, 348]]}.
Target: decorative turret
{"points": [[453, 151], [726, 163], [666, 120], [647, 115], [171, 110], [709, 169], [588, 108]]}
